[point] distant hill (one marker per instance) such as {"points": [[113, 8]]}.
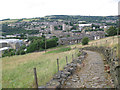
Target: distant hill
{"points": [[63, 17], [85, 18]]}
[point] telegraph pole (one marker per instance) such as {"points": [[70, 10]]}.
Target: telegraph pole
{"points": [[118, 32], [45, 43]]}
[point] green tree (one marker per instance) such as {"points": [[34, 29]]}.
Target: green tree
{"points": [[112, 31], [85, 41], [33, 47]]}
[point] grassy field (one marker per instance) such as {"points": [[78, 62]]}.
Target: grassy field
{"points": [[63, 49], [18, 70]]}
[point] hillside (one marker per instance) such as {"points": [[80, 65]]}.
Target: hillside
{"points": [[18, 70]]}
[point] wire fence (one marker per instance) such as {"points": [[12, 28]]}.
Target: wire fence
{"points": [[39, 77], [39, 74], [60, 63]]}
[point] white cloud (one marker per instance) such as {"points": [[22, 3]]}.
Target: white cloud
{"points": [[38, 8]]}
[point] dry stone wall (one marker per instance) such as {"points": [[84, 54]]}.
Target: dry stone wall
{"points": [[59, 79], [112, 61]]}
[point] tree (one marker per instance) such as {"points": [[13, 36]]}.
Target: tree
{"points": [[112, 31], [38, 44], [85, 41], [96, 26], [75, 27], [32, 47], [55, 27]]}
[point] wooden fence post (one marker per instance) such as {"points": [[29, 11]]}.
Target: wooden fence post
{"points": [[106, 41], [58, 64], [72, 56], [66, 60], [35, 75], [113, 39]]}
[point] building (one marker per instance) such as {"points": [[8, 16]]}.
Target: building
{"points": [[51, 28], [12, 43], [96, 34], [64, 27], [69, 40], [84, 25]]}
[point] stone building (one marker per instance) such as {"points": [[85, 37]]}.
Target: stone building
{"points": [[64, 27], [78, 38], [51, 28], [69, 40]]}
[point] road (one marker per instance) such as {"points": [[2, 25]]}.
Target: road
{"points": [[92, 75]]}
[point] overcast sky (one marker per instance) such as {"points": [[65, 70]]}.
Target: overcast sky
{"points": [[39, 8]]}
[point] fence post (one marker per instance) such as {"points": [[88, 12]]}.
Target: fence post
{"points": [[66, 60], [72, 56], [113, 39], [35, 75], [58, 64], [106, 41]]}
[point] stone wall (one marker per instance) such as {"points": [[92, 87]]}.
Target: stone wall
{"points": [[59, 79], [112, 61]]}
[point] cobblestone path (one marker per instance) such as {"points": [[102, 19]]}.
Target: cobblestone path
{"points": [[92, 75]]}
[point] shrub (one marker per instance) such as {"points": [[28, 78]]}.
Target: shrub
{"points": [[78, 54], [22, 52], [85, 41], [9, 52]]}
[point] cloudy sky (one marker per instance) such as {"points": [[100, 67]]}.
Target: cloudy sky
{"points": [[39, 8]]}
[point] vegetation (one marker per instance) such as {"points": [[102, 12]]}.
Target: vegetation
{"points": [[96, 26], [79, 54], [7, 30], [76, 18], [112, 31], [18, 70], [60, 50], [58, 27], [12, 52], [9, 52], [37, 44], [85, 41]]}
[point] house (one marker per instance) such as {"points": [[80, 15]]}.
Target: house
{"points": [[69, 40], [96, 34]]}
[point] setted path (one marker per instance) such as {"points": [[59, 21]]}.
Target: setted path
{"points": [[92, 75]]}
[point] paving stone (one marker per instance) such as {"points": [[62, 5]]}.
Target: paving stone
{"points": [[92, 75]]}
